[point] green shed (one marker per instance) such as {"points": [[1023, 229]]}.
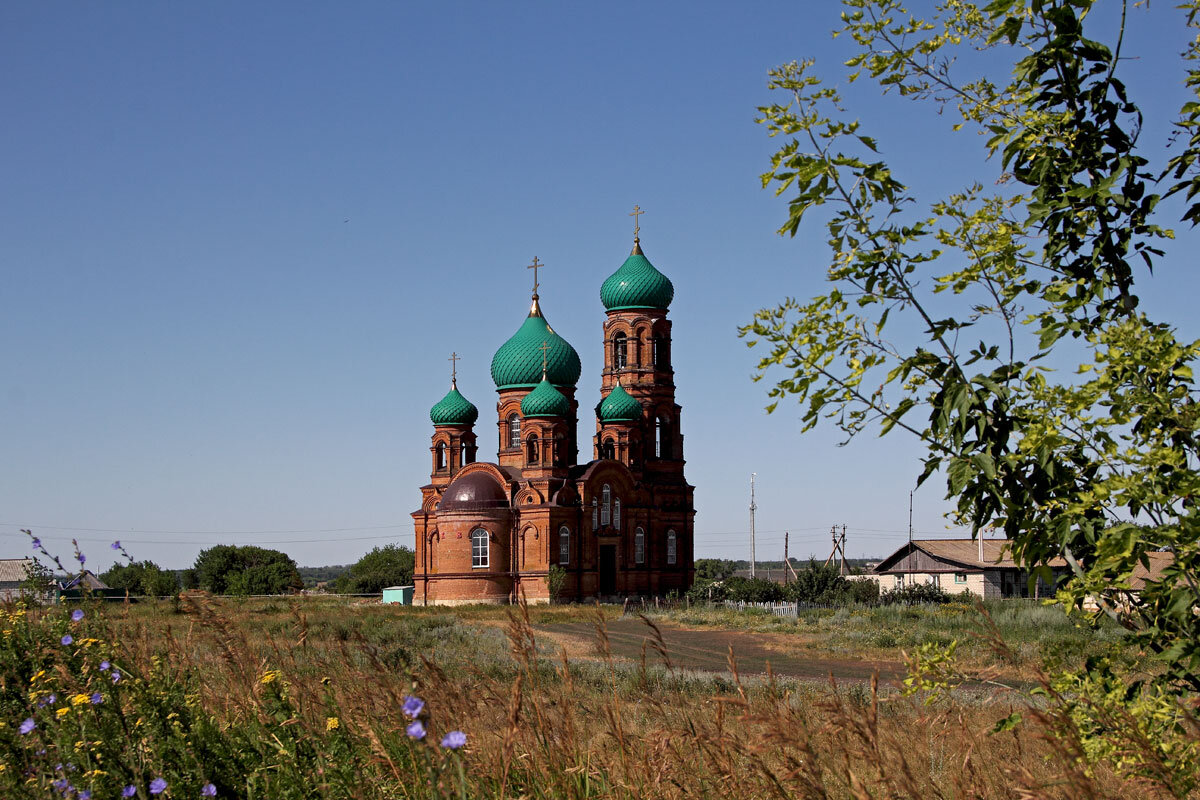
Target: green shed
{"points": [[399, 594]]}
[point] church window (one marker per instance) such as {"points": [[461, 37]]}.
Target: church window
{"points": [[607, 450], [468, 454], [595, 513], [564, 545], [531, 450], [560, 449], [662, 352], [672, 548], [606, 505], [514, 430], [639, 547], [620, 354], [479, 548], [441, 455], [617, 512]]}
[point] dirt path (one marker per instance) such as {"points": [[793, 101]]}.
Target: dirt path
{"points": [[708, 650]]}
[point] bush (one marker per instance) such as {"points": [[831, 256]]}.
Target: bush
{"points": [[390, 565], [229, 569], [141, 578], [913, 594]]}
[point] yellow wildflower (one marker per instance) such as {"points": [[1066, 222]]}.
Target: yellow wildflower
{"points": [[332, 723], [62, 712], [80, 699], [270, 676], [37, 675]]}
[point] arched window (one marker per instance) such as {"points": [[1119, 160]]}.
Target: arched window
{"points": [[468, 454], [661, 352], [480, 542], [606, 505], [514, 430], [531, 449], [564, 545], [617, 512], [639, 546], [607, 450], [662, 438], [595, 513], [560, 449], [620, 354], [654, 351], [672, 548], [441, 455]]}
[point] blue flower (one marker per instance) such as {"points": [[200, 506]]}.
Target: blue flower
{"points": [[97, 698], [116, 545], [27, 726], [415, 730], [158, 786], [82, 558], [104, 665], [454, 740], [68, 639], [412, 706], [129, 791], [61, 785], [77, 615], [37, 543], [209, 790], [116, 676], [86, 794]]}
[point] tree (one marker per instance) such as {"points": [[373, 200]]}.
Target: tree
{"points": [[230, 569], [1096, 466], [390, 565], [713, 569], [141, 578]]}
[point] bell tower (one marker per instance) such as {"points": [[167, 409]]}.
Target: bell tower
{"points": [[453, 444]]}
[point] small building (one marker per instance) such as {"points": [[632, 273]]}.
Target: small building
{"points": [[13, 574], [984, 568]]}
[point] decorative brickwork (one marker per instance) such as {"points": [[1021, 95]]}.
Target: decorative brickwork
{"points": [[619, 525]]}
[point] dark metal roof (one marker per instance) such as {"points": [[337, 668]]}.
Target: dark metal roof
{"points": [[473, 491]]}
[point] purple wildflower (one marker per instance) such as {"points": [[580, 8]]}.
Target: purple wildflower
{"points": [[82, 558], [116, 676], [412, 706], [209, 790], [37, 543], [68, 639], [77, 615], [97, 698], [86, 794], [158, 786], [104, 665], [116, 545], [49, 699], [27, 726], [61, 785], [454, 740], [415, 730], [129, 791]]}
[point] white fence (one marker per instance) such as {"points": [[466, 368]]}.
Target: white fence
{"points": [[778, 609]]}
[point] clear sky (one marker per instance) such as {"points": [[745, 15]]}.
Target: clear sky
{"points": [[239, 241]]}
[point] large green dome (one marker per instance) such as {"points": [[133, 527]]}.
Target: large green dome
{"points": [[619, 406], [518, 362], [637, 284], [545, 401], [454, 409]]}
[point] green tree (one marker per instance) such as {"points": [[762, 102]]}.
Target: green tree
{"points": [[713, 569], [231, 569], [390, 565], [1097, 466], [141, 578]]}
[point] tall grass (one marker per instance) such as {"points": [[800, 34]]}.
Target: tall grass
{"points": [[275, 700]]}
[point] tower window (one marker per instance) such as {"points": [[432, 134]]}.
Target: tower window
{"points": [[564, 545], [620, 354], [531, 449], [661, 352], [606, 505], [617, 512], [479, 548], [560, 449], [440, 460], [468, 454], [672, 548], [607, 450], [639, 547], [514, 430], [595, 513]]}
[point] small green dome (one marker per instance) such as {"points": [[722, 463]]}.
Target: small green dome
{"points": [[619, 406], [454, 409], [637, 284], [518, 362], [545, 401]]}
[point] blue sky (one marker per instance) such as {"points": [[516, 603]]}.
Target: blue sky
{"points": [[238, 243]]}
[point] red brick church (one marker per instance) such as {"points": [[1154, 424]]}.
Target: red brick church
{"points": [[619, 524]]}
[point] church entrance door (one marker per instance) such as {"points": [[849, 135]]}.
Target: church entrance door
{"points": [[608, 569]]}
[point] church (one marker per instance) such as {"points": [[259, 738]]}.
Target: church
{"points": [[618, 525]]}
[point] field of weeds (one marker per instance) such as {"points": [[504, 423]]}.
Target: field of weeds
{"points": [[330, 699]]}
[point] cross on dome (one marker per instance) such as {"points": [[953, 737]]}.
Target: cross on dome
{"points": [[637, 211], [535, 266], [453, 359]]}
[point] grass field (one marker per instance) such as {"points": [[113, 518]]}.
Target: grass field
{"points": [[306, 698]]}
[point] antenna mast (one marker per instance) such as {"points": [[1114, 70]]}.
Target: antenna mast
{"points": [[910, 517], [753, 508]]}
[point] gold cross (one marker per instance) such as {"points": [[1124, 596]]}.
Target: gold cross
{"points": [[637, 210], [535, 266], [544, 348], [453, 359]]}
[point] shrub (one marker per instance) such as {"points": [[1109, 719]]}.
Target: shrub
{"points": [[915, 593]]}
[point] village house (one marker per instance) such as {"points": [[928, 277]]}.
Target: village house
{"points": [[982, 567]]}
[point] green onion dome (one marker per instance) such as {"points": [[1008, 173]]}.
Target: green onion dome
{"points": [[454, 409], [545, 401], [619, 406], [637, 284], [518, 362]]}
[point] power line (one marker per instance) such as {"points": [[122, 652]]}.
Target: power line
{"points": [[205, 533]]}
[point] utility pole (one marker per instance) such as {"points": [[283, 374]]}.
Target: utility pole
{"points": [[843, 570], [786, 564], [910, 517], [753, 508]]}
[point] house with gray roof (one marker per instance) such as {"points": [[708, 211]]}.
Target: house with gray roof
{"points": [[982, 567]]}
